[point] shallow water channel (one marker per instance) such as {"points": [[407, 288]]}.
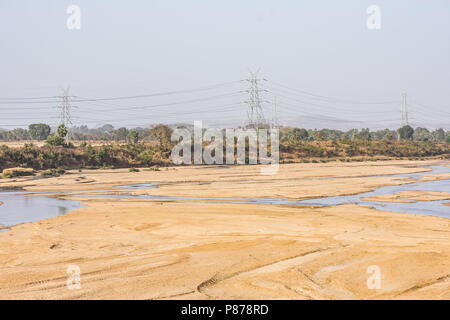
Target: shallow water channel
{"points": [[19, 206]]}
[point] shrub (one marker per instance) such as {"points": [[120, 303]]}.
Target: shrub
{"points": [[133, 170], [17, 172], [153, 169], [146, 157], [53, 172], [47, 173], [54, 140]]}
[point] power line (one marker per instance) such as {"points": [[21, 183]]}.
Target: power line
{"points": [[324, 104], [294, 111], [328, 108], [174, 103], [146, 95], [331, 99], [133, 107], [29, 98], [222, 108], [206, 88]]}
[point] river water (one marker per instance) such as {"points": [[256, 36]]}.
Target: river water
{"points": [[19, 208]]}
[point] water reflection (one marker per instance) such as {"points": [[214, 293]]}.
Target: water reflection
{"points": [[19, 208], [434, 208]]}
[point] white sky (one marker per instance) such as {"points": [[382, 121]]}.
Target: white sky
{"points": [[138, 47]]}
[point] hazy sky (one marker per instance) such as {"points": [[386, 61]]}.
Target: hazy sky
{"points": [[127, 48]]}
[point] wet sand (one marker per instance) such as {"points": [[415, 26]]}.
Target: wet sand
{"points": [[411, 196], [435, 177], [148, 249]]}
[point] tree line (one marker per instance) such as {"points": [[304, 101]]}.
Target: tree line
{"points": [[41, 132], [403, 133]]}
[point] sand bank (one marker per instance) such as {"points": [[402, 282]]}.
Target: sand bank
{"points": [[146, 249], [411, 196]]}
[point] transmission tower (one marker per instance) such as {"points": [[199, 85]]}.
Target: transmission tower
{"points": [[254, 114], [405, 120], [64, 112]]}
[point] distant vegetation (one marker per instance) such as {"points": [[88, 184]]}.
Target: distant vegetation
{"points": [[107, 132], [152, 147]]}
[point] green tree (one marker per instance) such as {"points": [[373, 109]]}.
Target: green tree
{"points": [[319, 135], [133, 136], [406, 132], [162, 133], [39, 131], [364, 134], [106, 128], [439, 135], [121, 134], [422, 134], [62, 131], [351, 134], [388, 135], [299, 134], [54, 140], [58, 139], [18, 134]]}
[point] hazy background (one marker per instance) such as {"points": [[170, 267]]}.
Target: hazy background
{"points": [[140, 47]]}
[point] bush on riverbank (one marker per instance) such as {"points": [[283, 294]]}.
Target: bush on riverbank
{"points": [[52, 173], [143, 155], [106, 156], [360, 148], [17, 172]]}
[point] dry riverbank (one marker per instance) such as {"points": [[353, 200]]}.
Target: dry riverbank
{"points": [[154, 249]]}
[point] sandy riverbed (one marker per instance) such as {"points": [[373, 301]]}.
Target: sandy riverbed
{"points": [[411, 196], [148, 249]]}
